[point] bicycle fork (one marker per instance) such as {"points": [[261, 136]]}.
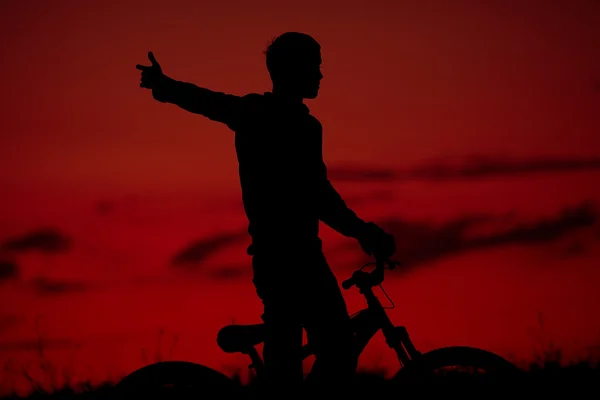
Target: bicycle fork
{"points": [[256, 360], [396, 337]]}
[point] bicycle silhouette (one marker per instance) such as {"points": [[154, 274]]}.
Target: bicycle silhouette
{"points": [[415, 367]]}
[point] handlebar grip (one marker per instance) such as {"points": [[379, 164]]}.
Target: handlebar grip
{"points": [[348, 283], [359, 275]]}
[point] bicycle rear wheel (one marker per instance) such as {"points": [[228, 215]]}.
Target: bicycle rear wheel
{"points": [[457, 364], [177, 380]]}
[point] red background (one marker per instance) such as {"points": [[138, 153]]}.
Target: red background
{"points": [[484, 116]]}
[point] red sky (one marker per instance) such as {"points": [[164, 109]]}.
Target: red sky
{"points": [[481, 116]]}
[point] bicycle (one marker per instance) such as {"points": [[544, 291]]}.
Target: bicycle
{"points": [[415, 367]]}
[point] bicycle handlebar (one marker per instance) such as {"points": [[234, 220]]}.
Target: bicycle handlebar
{"points": [[372, 278], [348, 283]]}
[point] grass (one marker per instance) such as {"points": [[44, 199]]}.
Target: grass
{"points": [[548, 374], [548, 371]]}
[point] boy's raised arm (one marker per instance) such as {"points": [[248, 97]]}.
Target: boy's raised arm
{"points": [[216, 106]]}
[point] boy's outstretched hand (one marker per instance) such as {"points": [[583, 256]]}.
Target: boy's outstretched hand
{"points": [[152, 77]]}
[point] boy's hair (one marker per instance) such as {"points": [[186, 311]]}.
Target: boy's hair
{"points": [[288, 48]]}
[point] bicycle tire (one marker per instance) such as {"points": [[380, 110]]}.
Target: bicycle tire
{"points": [[177, 380], [489, 366]]}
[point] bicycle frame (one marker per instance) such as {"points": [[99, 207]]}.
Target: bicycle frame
{"points": [[370, 320], [365, 324]]}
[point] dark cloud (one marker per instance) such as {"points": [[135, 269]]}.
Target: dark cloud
{"points": [[38, 345], [484, 167], [465, 168], [202, 249], [568, 220], [231, 273], [360, 174], [43, 240], [45, 286], [8, 270], [420, 243]]}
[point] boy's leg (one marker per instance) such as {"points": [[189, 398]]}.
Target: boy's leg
{"points": [[283, 326], [329, 332], [282, 347]]}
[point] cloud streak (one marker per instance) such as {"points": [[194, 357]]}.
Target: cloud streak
{"points": [[46, 286], [465, 168], [230, 273], [47, 241], [198, 251], [420, 243]]}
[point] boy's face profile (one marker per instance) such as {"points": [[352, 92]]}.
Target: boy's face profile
{"points": [[309, 76]]}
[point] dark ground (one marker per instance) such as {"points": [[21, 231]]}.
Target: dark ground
{"points": [[575, 381]]}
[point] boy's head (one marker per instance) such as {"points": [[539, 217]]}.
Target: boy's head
{"points": [[294, 63]]}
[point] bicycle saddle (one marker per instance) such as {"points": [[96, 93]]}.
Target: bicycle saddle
{"points": [[240, 338]]}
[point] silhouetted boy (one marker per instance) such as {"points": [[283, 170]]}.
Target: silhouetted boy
{"points": [[286, 192]]}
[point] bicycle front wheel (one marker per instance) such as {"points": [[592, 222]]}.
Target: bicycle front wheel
{"points": [[456, 364]]}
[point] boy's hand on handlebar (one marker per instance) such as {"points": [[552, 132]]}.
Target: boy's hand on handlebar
{"points": [[377, 242]]}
